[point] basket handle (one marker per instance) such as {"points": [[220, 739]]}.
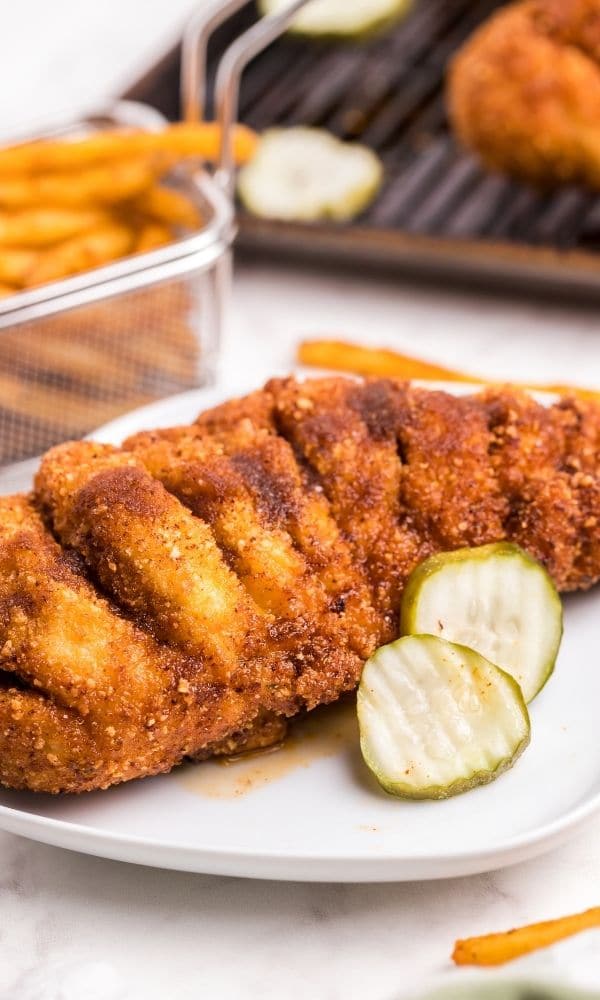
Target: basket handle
{"points": [[232, 64], [194, 55]]}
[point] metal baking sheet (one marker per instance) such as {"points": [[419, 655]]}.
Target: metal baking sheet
{"points": [[438, 213]]}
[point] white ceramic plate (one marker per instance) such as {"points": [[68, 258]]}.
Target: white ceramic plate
{"points": [[312, 812]]}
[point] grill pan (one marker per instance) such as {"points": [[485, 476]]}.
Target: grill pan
{"points": [[439, 213]]}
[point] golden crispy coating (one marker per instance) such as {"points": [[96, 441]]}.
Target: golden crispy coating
{"points": [[245, 502], [253, 560], [447, 483], [86, 697], [581, 428], [149, 553], [527, 454], [244, 469], [524, 92], [344, 432]]}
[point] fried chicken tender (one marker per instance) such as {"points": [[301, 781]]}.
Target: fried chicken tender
{"points": [[149, 553], [87, 698], [257, 625], [524, 92], [203, 584]]}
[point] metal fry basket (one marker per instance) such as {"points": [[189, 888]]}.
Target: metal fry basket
{"points": [[80, 351]]}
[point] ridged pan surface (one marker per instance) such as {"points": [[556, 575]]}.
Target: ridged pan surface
{"points": [[438, 210]]}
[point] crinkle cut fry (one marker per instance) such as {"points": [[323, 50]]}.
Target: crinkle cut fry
{"points": [[88, 699]]}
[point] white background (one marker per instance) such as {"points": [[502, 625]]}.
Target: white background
{"points": [[73, 927]]}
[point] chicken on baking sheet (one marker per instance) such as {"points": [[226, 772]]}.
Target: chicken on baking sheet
{"points": [[185, 593], [524, 91]]}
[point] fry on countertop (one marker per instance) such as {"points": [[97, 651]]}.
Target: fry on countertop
{"points": [[496, 949]]}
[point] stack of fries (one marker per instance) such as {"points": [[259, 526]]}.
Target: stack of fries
{"points": [[73, 204]]}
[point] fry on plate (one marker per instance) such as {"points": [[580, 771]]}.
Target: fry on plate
{"points": [[341, 355], [496, 949]]}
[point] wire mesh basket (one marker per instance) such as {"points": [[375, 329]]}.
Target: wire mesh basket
{"points": [[77, 352]]}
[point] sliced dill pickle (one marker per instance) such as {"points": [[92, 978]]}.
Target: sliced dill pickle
{"points": [[307, 174], [341, 19], [437, 719], [495, 599]]}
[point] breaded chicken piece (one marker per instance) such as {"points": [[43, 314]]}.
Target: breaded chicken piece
{"points": [[239, 498], [87, 698], [253, 560], [150, 554], [341, 430], [222, 585], [581, 461], [524, 92], [528, 458], [245, 481]]}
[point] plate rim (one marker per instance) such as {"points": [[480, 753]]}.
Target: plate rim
{"points": [[294, 866]]}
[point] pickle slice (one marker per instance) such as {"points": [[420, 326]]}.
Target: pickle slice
{"points": [[437, 719], [342, 19], [495, 599], [306, 174]]}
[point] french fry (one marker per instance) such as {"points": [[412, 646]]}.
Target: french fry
{"points": [[348, 357], [496, 949], [151, 236], [99, 246], [343, 356], [200, 140], [71, 204], [44, 226], [204, 141], [15, 265], [106, 185], [163, 204]]}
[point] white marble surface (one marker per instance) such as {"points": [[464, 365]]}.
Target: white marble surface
{"points": [[74, 927]]}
